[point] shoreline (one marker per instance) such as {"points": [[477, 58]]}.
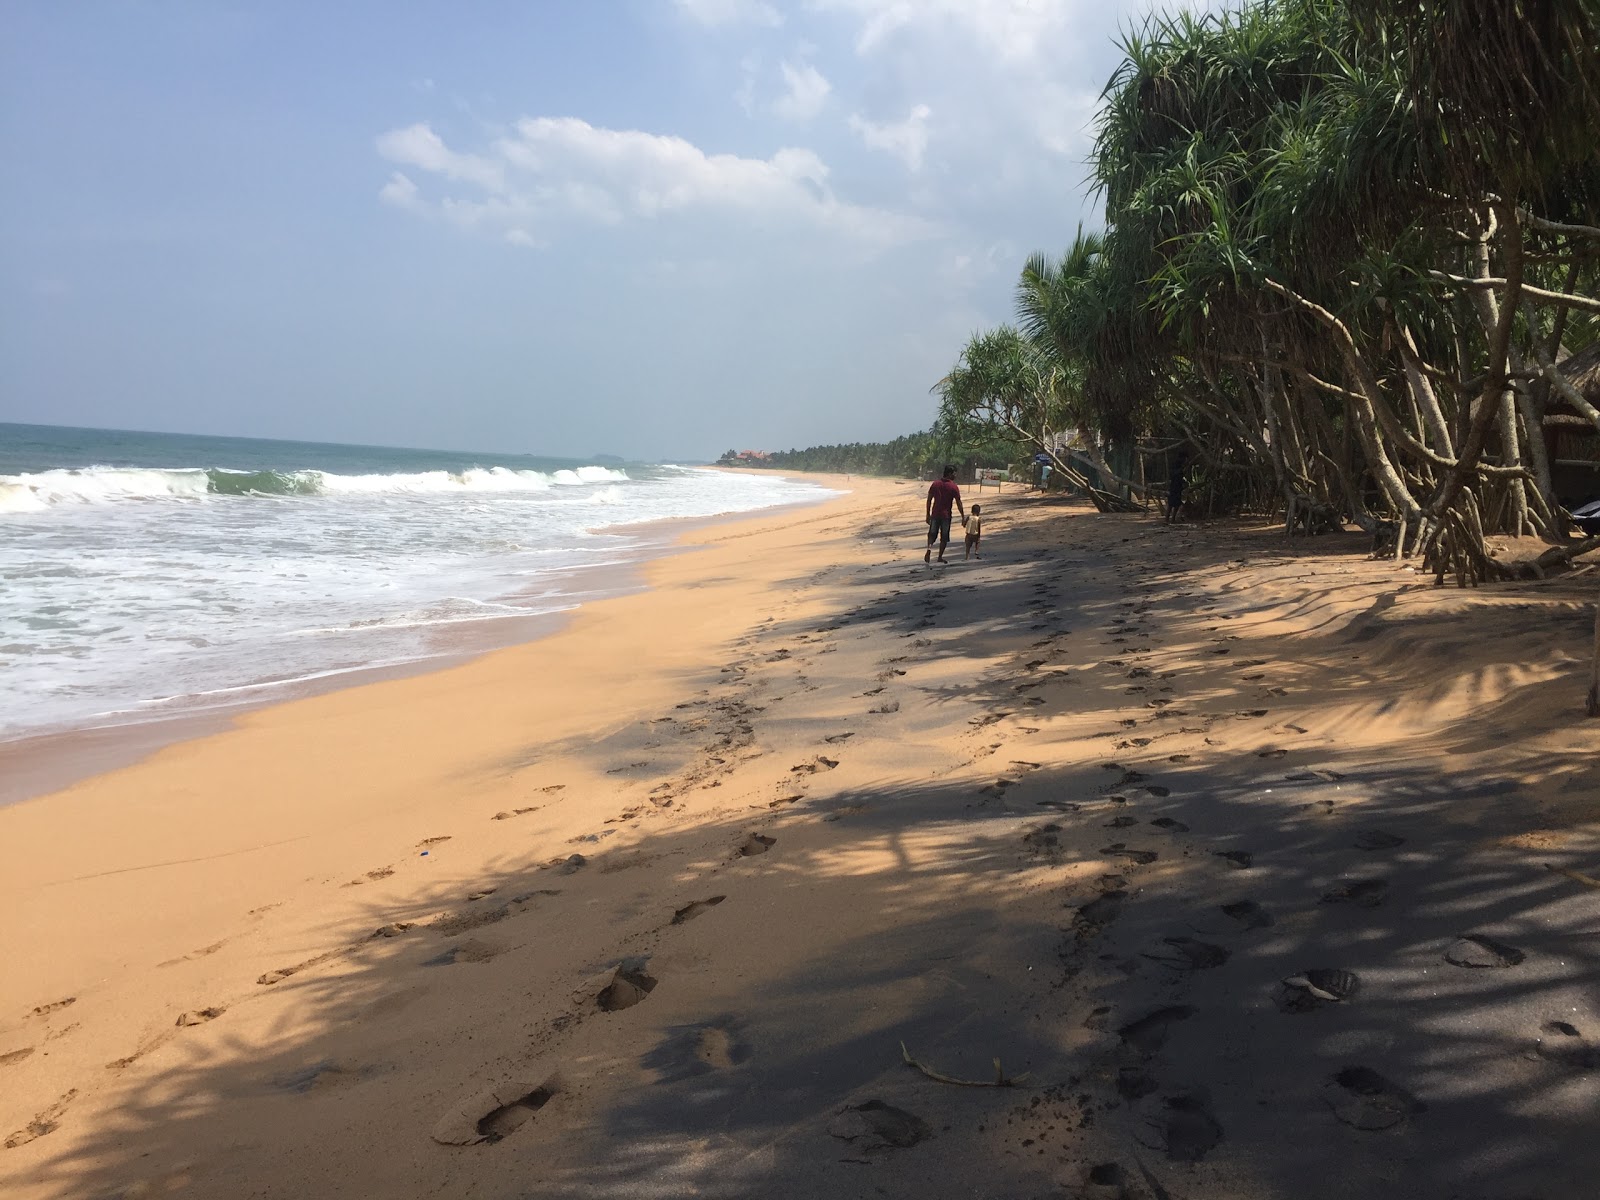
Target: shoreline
{"points": [[655, 903], [36, 764]]}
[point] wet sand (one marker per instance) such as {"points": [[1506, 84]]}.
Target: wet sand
{"points": [[1232, 850]]}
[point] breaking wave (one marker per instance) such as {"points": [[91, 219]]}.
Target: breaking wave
{"points": [[104, 485]]}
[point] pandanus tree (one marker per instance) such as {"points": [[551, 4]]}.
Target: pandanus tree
{"points": [[1349, 277], [1348, 246]]}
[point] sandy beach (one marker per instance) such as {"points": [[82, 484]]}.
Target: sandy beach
{"points": [[1226, 855]]}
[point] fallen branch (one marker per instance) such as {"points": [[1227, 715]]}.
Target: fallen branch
{"points": [[1000, 1079], [1575, 876]]}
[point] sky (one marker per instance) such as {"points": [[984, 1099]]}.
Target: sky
{"points": [[653, 228]]}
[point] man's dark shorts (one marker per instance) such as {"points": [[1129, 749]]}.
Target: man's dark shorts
{"points": [[938, 529]]}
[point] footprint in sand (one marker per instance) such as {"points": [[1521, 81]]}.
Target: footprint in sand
{"points": [[1149, 1033], [199, 1016], [1170, 825], [1142, 857], [46, 1120], [1187, 954], [618, 988], [12, 1057], [1364, 1099], [1239, 860], [434, 841], [55, 1006], [694, 908], [1377, 839], [817, 764], [1181, 1126], [1476, 950], [756, 843], [839, 737], [1368, 893], [1564, 1044], [490, 1115], [1249, 914], [469, 951]]}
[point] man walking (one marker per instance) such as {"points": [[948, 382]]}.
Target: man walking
{"points": [[942, 494]]}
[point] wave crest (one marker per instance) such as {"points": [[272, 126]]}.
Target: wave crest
{"points": [[42, 490]]}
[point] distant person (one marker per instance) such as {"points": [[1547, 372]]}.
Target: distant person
{"points": [[942, 495], [1175, 482], [974, 524]]}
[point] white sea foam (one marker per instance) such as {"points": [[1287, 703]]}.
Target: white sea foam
{"points": [[131, 587], [104, 485]]}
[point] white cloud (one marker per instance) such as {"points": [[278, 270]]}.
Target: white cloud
{"points": [[731, 12], [399, 191], [907, 140], [807, 91], [1012, 29], [420, 146], [561, 170]]}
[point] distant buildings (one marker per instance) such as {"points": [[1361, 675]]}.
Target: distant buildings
{"points": [[745, 458]]}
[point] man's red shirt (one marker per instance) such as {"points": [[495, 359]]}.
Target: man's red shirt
{"points": [[944, 494]]}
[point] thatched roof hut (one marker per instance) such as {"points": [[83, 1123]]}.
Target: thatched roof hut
{"points": [[1583, 372]]}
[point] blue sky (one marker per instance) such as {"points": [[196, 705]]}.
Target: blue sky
{"points": [[657, 228]]}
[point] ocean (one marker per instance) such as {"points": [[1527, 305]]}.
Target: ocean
{"points": [[146, 575]]}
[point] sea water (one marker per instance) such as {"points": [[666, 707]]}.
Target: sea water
{"points": [[143, 575]]}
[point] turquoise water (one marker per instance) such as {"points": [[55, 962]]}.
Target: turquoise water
{"points": [[145, 574]]}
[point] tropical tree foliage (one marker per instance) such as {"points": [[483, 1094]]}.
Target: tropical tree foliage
{"points": [[1347, 246], [916, 455]]}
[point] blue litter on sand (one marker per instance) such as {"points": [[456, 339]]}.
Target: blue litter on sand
{"points": [[424, 854]]}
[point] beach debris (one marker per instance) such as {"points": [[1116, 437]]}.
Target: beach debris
{"points": [[1000, 1078], [46, 1120], [490, 1115], [1182, 1126], [875, 1125], [694, 908], [1364, 1099], [1149, 1033], [1576, 876], [1368, 893], [1310, 990], [1475, 950], [199, 1016], [1377, 839], [756, 843]]}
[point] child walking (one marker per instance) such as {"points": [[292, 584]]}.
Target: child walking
{"points": [[974, 532]]}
